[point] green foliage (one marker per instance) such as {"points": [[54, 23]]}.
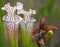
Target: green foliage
{"points": [[1, 25], [48, 10]]}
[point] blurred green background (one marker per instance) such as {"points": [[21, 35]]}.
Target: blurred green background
{"points": [[50, 8]]}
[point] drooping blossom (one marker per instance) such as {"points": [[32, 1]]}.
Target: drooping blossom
{"points": [[40, 32]]}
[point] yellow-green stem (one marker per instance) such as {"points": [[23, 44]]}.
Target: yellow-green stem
{"points": [[13, 39], [27, 39]]}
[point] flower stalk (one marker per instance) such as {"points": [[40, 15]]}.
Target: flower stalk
{"points": [[12, 22], [27, 26]]}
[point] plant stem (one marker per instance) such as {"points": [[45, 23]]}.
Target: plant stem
{"points": [[27, 40], [13, 38]]}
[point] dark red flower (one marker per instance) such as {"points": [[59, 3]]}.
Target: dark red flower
{"points": [[40, 31]]}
